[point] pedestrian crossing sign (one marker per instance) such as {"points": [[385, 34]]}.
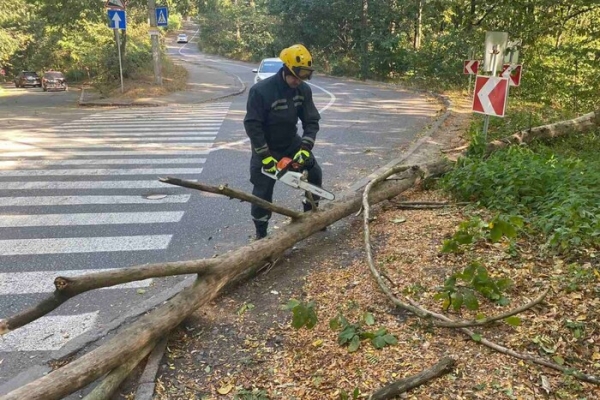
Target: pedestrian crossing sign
{"points": [[162, 16]]}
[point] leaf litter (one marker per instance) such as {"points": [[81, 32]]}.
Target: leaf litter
{"points": [[256, 354]]}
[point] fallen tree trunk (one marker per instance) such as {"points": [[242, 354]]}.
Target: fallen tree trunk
{"points": [[111, 383], [585, 123], [404, 385], [163, 319]]}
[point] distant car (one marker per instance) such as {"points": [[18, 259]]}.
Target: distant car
{"points": [[182, 38], [27, 78], [54, 80], [268, 67]]}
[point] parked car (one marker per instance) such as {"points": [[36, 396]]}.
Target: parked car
{"points": [[268, 67], [182, 38], [54, 80], [28, 78]]}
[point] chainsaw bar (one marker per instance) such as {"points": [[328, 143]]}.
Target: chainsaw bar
{"points": [[294, 179]]}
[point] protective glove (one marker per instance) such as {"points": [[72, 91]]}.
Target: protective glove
{"points": [[269, 164], [303, 157]]}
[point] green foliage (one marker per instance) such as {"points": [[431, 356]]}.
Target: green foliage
{"points": [[461, 289], [352, 334], [475, 229], [555, 191], [304, 314], [354, 395], [254, 394]]}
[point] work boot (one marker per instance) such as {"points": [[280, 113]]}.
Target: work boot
{"points": [[261, 229]]}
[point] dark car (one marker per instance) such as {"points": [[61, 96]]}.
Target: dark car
{"points": [[54, 80], [28, 78]]}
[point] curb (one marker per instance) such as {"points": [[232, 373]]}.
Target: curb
{"points": [[147, 382]]}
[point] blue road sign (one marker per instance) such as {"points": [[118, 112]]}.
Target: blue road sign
{"points": [[162, 16], [116, 19]]}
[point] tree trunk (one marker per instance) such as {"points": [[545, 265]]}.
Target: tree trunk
{"points": [[583, 124], [365, 39], [163, 319], [418, 25]]}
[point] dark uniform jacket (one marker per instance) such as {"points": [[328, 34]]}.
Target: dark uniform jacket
{"points": [[273, 110]]}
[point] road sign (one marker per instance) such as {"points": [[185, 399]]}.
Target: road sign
{"points": [[116, 19], [162, 16], [495, 47], [470, 67], [491, 93], [118, 4], [513, 72]]}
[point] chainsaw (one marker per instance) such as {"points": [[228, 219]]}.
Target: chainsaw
{"points": [[290, 173]]}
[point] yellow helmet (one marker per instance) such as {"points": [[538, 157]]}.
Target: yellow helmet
{"points": [[298, 60]]}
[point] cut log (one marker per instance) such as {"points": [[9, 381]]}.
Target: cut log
{"points": [[583, 124], [404, 385], [163, 319]]}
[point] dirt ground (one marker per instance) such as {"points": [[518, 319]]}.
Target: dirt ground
{"points": [[243, 346]]}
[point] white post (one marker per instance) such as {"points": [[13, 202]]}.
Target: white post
{"points": [[120, 63], [486, 121]]}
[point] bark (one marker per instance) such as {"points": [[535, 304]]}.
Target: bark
{"points": [[111, 383], [583, 124], [69, 287], [164, 318], [404, 385]]}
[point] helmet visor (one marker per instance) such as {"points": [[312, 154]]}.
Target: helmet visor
{"points": [[303, 73]]}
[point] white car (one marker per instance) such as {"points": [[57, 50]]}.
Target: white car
{"points": [[268, 67], [182, 38]]}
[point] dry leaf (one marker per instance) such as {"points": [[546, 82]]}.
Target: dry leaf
{"points": [[225, 389], [546, 385]]}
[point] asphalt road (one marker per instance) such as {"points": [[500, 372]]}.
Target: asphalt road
{"points": [[363, 127]]}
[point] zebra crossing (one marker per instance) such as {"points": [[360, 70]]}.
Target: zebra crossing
{"points": [[80, 197]]}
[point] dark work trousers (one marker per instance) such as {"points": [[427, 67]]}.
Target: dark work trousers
{"points": [[263, 185]]}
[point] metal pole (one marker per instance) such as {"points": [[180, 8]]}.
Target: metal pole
{"points": [[472, 55], [155, 44], [486, 122], [120, 63]]}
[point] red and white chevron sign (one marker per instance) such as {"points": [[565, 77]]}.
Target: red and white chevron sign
{"points": [[490, 96], [470, 67], [512, 71]]}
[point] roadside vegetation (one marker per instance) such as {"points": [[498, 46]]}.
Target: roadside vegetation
{"points": [[74, 37]]}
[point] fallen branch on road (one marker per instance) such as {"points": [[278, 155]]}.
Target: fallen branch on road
{"points": [[164, 318], [69, 287]]}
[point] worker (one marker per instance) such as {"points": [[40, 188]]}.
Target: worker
{"points": [[274, 106]]}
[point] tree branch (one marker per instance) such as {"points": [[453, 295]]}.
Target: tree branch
{"points": [[68, 287], [404, 385], [234, 194]]}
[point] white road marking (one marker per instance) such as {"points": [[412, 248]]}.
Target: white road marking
{"points": [[12, 283], [109, 153], [48, 333], [123, 161], [81, 219], [86, 200], [14, 247], [101, 172], [70, 185]]}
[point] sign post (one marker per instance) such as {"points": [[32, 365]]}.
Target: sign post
{"points": [[117, 21], [153, 14]]}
